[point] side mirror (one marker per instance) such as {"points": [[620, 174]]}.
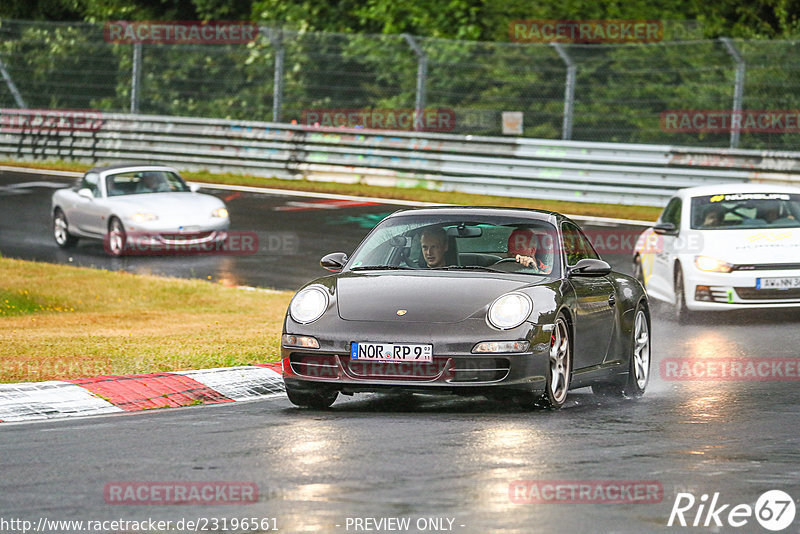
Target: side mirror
{"points": [[334, 262], [590, 267], [665, 229], [85, 193], [194, 188]]}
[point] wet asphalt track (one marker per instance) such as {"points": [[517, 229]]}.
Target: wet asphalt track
{"points": [[381, 456]]}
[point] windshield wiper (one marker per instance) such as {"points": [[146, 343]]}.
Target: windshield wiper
{"points": [[466, 267], [381, 268]]}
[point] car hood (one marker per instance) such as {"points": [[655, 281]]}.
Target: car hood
{"points": [[743, 247], [428, 297], [169, 205]]}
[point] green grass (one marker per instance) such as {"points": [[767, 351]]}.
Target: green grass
{"points": [[68, 322], [645, 213]]}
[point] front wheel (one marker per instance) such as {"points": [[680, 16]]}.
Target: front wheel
{"points": [[317, 399], [117, 238], [559, 367], [682, 313], [61, 231]]}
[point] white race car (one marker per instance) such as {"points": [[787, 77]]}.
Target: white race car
{"points": [[138, 208], [724, 247]]}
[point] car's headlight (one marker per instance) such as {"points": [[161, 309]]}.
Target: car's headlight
{"points": [[509, 311], [308, 305], [142, 217], [705, 263], [222, 213]]}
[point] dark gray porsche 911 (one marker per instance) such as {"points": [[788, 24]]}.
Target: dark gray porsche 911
{"points": [[508, 303]]}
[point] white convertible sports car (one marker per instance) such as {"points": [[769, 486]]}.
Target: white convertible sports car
{"points": [[144, 208], [724, 247]]}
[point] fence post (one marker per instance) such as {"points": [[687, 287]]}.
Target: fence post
{"points": [[136, 77], [422, 77], [276, 39], [738, 89], [569, 91], [11, 86]]}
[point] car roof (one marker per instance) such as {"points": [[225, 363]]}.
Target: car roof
{"points": [[131, 166], [719, 189], [483, 211]]}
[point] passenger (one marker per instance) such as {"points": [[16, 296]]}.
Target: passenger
{"points": [[434, 244], [523, 245]]}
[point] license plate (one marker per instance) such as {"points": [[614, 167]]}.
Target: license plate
{"points": [[778, 283], [391, 352]]}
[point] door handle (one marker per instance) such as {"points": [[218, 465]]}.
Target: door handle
{"points": [[612, 300]]}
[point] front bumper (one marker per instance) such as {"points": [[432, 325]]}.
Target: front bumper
{"points": [[454, 369], [737, 290]]}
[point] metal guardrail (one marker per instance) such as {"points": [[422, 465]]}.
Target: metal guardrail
{"points": [[531, 168]]}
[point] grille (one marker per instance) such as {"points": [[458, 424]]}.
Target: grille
{"points": [[314, 365], [180, 238], [750, 293], [766, 267], [480, 369], [396, 371]]}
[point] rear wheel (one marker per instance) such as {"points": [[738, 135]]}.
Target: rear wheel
{"points": [[117, 237], [638, 362], [317, 399], [61, 231]]}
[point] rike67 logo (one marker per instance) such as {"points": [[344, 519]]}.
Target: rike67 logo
{"points": [[774, 510]]}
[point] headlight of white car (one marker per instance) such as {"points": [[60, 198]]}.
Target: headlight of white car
{"points": [[706, 263], [143, 217], [308, 305], [222, 213], [509, 311]]}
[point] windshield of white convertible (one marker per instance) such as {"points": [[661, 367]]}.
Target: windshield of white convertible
{"points": [[141, 182], [493, 244], [740, 211]]}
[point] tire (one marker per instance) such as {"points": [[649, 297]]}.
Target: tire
{"points": [[638, 272], [682, 314], [318, 400], [117, 237], [61, 230], [559, 369], [638, 360]]}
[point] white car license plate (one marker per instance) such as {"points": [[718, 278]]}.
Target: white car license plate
{"points": [[391, 352], [778, 283]]}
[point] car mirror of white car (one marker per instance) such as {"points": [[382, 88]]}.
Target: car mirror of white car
{"points": [[85, 193], [194, 188], [665, 229]]}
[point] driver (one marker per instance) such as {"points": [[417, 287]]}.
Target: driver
{"points": [[523, 244], [151, 182], [434, 244]]}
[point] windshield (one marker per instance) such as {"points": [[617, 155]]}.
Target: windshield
{"points": [[746, 210], [140, 182], [493, 244]]}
